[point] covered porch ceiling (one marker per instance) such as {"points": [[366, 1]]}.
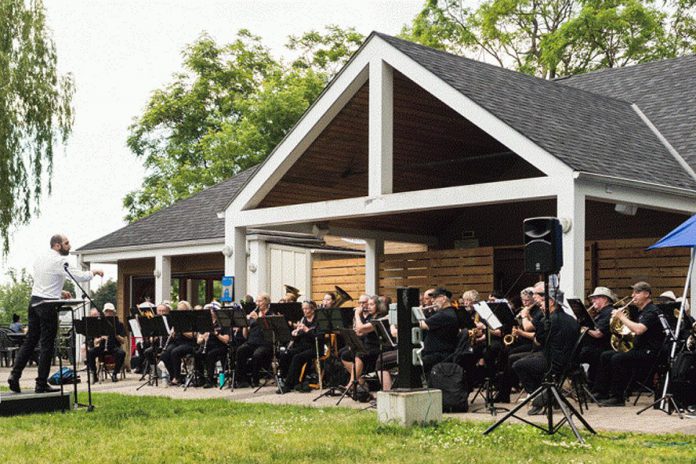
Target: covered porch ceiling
{"points": [[433, 146]]}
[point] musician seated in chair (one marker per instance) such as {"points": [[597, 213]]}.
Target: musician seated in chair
{"points": [[364, 362], [557, 347], [616, 366], [443, 330], [213, 347], [108, 344], [180, 345], [597, 340], [303, 349], [255, 347]]}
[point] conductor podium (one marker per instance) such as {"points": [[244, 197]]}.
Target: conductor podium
{"points": [[29, 402]]}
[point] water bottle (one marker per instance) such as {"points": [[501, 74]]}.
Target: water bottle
{"points": [[221, 373]]}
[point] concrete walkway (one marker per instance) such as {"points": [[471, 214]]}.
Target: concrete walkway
{"points": [[616, 419]]}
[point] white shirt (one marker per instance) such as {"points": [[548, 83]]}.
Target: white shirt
{"points": [[49, 275]]}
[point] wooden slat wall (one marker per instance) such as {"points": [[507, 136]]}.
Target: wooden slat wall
{"points": [[458, 270], [621, 263], [347, 273], [616, 264]]}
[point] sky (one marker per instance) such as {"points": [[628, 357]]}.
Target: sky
{"points": [[119, 52]]}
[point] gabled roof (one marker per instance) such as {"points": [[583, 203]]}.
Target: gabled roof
{"points": [[664, 90], [194, 218], [587, 131]]}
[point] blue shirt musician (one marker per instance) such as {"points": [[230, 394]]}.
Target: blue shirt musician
{"points": [[49, 278]]}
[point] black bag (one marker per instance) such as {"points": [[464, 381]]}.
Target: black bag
{"points": [[334, 373], [449, 377], [683, 378]]}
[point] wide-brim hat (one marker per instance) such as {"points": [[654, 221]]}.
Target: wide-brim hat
{"points": [[605, 292], [669, 294]]}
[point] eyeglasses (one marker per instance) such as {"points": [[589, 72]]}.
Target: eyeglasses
{"points": [[540, 293]]}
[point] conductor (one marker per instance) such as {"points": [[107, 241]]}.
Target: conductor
{"points": [[49, 277]]}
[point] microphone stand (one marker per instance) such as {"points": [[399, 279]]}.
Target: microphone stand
{"points": [[85, 298]]}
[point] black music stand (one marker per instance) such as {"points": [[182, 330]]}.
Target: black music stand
{"points": [[495, 316], [275, 331], [291, 311], [231, 318], [356, 347], [581, 314], [152, 327], [381, 328], [191, 321], [60, 305], [330, 320], [92, 327]]}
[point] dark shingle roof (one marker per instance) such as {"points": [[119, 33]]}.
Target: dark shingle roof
{"points": [[588, 132], [194, 218], [665, 91]]}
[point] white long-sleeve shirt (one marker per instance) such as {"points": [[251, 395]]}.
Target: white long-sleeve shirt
{"points": [[49, 275]]}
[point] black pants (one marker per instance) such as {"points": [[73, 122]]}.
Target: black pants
{"points": [[591, 355], [206, 361], [261, 356], [509, 378], [291, 363], [615, 370], [43, 326], [118, 354], [173, 355], [530, 370]]}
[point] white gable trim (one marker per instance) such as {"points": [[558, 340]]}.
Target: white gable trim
{"points": [[474, 113], [442, 198], [343, 88]]}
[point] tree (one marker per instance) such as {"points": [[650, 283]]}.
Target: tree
{"points": [[105, 294], [558, 37], [15, 296], [226, 111], [35, 111]]}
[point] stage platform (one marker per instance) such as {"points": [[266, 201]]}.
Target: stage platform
{"points": [[13, 404]]}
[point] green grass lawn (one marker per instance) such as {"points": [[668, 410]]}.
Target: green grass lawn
{"points": [[156, 430]]}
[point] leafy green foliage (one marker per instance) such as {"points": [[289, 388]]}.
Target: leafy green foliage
{"points": [[275, 433], [226, 111], [35, 110], [105, 294], [15, 296], [558, 37]]}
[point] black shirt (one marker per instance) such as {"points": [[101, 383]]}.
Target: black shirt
{"points": [[651, 339], [563, 334], [256, 330], [371, 339], [305, 340], [443, 330], [601, 321], [213, 341]]}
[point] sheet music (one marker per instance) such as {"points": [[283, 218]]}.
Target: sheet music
{"points": [[418, 313], [135, 328], [487, 315], [568, 310]]}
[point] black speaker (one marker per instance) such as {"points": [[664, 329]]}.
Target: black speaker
{"points": [[543, 245]]}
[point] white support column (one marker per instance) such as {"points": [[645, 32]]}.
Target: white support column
{"points": [[258, 267], [163, 278], [236, 262], [381, 128], [571, 206], [374, 249]]}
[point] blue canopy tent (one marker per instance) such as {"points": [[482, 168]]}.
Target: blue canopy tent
{"points": [[683, 236]]}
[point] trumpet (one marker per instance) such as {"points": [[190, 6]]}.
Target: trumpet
{"points": [[622, 338]]}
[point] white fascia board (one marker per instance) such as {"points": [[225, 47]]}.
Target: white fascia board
{"points": [[348, 232], [352, 77], [473, 112], [613, 190], [404, 202], [112, 255]]}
